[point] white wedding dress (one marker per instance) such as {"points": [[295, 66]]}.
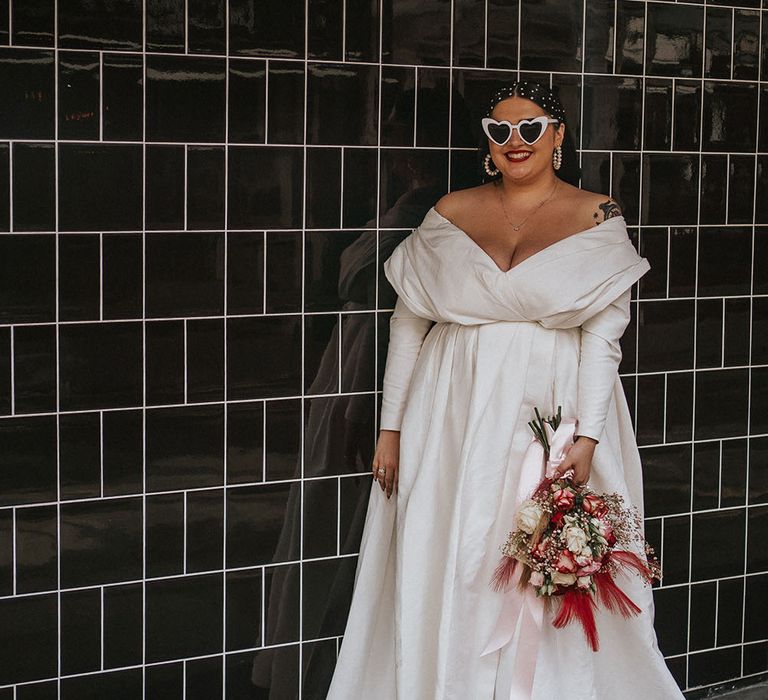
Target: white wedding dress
{"points": [[461, 391]]}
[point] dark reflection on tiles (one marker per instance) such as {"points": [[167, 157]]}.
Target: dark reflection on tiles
{"points": [[205, 530], [469, 33], [712, 552], [411, 182], [184, 617], [283, 271], [724, 260], [758, 477], [38, 691], [123, 446], [612, 113], [342, 104], [730, 388], [709, 332], [245, 273], [5, 187], [79, 277], [670, 184], [650, 409], [682, 256], [102, 27], [185, 274], [283, 439], [34, 23], [502, 34], [675, 36], [757, 558], [34, 186], [630, 38], [36, 549], [35, 368], [654, 245], [185, 98], [323, 183], [121, 275], [340, 270], [755, 657], [27, 107], [355, 493], [598, 36], [717, 61], [262, 29], [760, 266], [164, 352], [676, 549], [285, 102], [730, 111], [736, 350], [667, 471], [706, 475], [687, 115], [397, 105], [28, 446], [327, 594], [320, 516], [6, 552], [165, 26], [415, 34], [658, 114], [5, 370], [357, 346], [679, 406], [164, 681], [243, 609], [204, 678], [205, 360], [281, 600], [79, 87], [123, 625], [759, 330], [741, 188], [671, 619], [205, 187], [258, 177], [80, 455], [100, 187], [319, 661], [714, 178], [185, 447], [164, 183], [730, 602], [31, 621], [665, 339], [321, 348], [117, 685], [541, 47], [362, 31], [703, 618], [325, 30], [101, 542], [81, 631], [245, 440], [756, 611], [27, 292], [746, 43], [164, 534], [247, 101], [359, 187], [260, 524], [714, 666], [207, 30], [88, 356]]}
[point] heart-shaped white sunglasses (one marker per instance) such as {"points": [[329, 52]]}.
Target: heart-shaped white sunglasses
{"points": [[530, 130]]}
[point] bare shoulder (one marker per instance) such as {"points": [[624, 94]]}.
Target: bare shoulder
{"points": [[600, 207], [453, 204]]}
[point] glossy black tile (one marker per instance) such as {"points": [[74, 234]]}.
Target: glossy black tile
{"points": [[726, 415], [674, 40], [245, 273], [755, 609], [667, 484], [759, 401], [650, 409], [654, 245], [318, 663], [205, 530], [714, 183], [123, 625], [261, 524], [323, 183], [670, 189], [714, 666], [282, 430], [665, 335], [204, 678], [5, 371], [325, 30], [283, 278], [612, 113], [398, 105], [206, 26], [205, 187], [598, 36], [5, 187], [164, 533], [81, 631], [706, 475], [259, 337], [89, 355], [28, 446], [757, 528], [185, 98], [164, 185], [118, 685], [247, 101], [79, 87], [205, 360], [741, 188], [185, 274], [281, 600], [682, 256], [631, 37], [7, 572], [101, 542], [687, 115], [657, 125], [359, 188], [703, 616], [321, 370], [326, 603], [320, 517], [286, 107], [734, 127], [737, 330], [730, 605], [103, 27], [245, 442], [165, 27], [433, 107], [164, 343], [28, 78], [761, 204], [257, 29], [679, 409], [36, 549], [540, 48], [676, 549], [243, 618], [33, 22], [122, 97], [709, 332], [34, 186], [37, 691], [469, 33], [712, 552], [122, 276], [746, 43], [31, 621], [164, 681], [184, 447], [122, 445], [353, 504], [758, 476], [34, 371], [79, 277], [184, 617], [414, 37], [755, 658], [718, 46], [27, 292]]}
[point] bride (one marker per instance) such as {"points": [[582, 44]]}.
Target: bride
{"points": [[511, 295]]}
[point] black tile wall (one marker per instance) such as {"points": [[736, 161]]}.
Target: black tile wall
{"points": [[190, 366]]}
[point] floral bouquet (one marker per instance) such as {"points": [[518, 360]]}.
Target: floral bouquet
{"points": [[571, 542]]}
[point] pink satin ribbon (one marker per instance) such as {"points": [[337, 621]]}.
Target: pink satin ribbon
{"points": [[524, 607]]}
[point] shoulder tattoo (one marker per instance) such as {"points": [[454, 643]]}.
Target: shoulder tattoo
{"points": [[609, 209]]}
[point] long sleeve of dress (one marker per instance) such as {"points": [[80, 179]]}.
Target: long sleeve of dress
{"points": [[406, 335], [598, 364]]}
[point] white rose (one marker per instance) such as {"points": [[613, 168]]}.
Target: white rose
{"points": [[528, 516], [537, 579], [576, 539], [584, 581], [562, 579]]}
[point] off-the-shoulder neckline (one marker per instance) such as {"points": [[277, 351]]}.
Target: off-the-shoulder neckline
{"points": [[479, 248]]}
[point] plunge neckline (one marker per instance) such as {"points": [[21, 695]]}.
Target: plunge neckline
{"points": [[482, 250]]}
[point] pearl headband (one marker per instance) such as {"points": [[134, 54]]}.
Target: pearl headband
{"points": [[538, 93]]}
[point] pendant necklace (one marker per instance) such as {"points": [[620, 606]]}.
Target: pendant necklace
{"points": [[519, 226]]}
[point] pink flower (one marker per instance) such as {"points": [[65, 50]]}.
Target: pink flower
{"points": [[540, 549], [564, 498], [556, 521], [565, 562], [537, 579], [588, 569], [594, 505]]}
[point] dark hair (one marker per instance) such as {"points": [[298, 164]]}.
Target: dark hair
{"points": [[548, 100]]}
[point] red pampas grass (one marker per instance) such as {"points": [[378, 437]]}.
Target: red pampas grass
{"points": [[581, 606], [630, 561], [612, 597], [503, 573]]}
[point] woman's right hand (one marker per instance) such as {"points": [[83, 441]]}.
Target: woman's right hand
{"points": [[387, 457]]}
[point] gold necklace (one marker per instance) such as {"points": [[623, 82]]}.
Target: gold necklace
{"points": [[519, 226]]}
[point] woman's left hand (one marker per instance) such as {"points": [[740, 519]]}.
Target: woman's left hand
{"points": [[579, 458]]}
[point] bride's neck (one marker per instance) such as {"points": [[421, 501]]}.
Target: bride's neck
{"points": [[527, 192]]}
